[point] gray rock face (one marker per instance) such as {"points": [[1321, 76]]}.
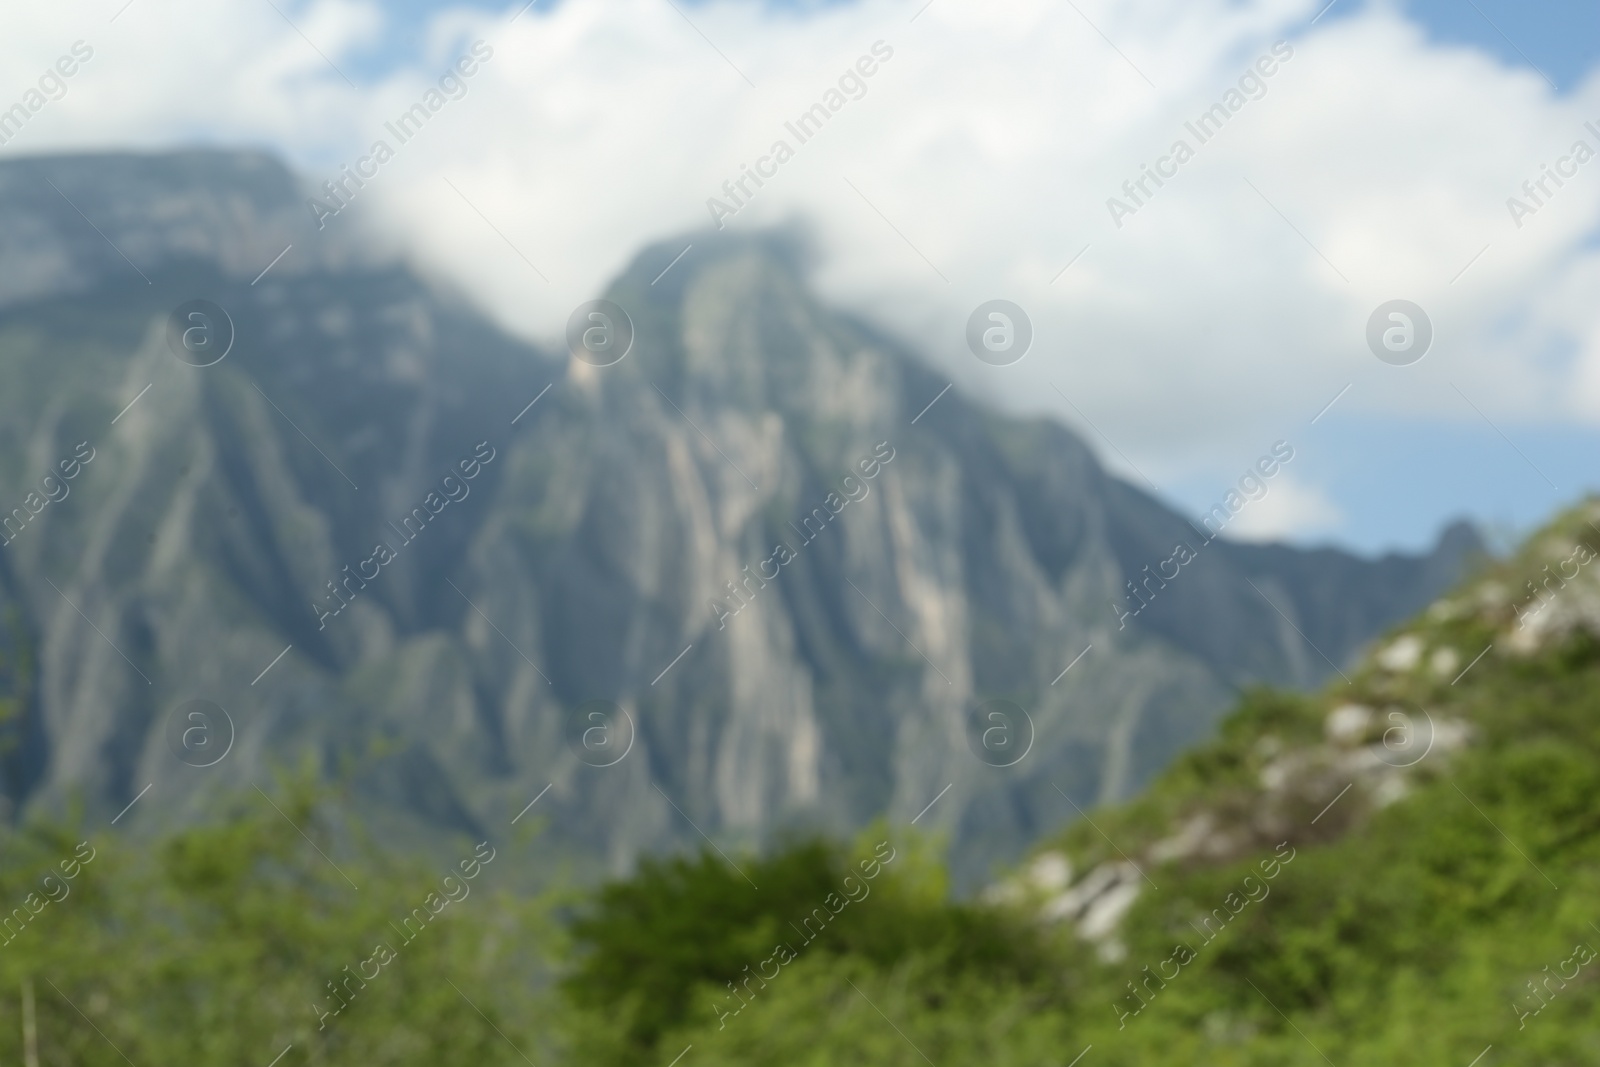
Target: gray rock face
{"points": [[924, 569]]}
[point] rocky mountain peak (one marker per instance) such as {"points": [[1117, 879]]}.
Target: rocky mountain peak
{"points": [[72, 223], [803, 609]]}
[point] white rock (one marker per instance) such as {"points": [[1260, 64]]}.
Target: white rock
{"points": [[1492, 595], [1402, 655], [1390, 789], [1444, 662], [1524, 640], [1444, 610], [1219, 846], [1075, 901], [1278, 773], [1185, 843], [1111, 950], [1050, 872], [1451, 734], [1347, 724], [1106, 912], [1060, 908]]}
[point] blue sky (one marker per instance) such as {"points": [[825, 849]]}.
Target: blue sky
{"points": [[1561, 38], [1399, 483]]}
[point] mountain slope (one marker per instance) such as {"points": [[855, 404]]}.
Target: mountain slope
{"points": [[1400, 869], [588, 556], [1440, 894]]}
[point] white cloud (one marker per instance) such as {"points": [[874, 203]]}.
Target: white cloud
{"points": [[1206, 326], [1290, 510]]}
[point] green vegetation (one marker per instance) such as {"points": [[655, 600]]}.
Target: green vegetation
{"points": [[691, 944], [217, 946], [1419, 846]]}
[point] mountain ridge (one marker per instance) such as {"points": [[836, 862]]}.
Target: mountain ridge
{"points": [[583, 564]]}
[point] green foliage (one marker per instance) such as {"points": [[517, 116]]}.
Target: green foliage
{"points": [[686, 939], [218, 944], [841, 1010]]}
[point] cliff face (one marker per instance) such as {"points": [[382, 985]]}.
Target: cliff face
{"points": [[558, 610]]}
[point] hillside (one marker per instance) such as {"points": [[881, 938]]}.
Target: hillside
{"points": [[1403, 868], [213, 541]]}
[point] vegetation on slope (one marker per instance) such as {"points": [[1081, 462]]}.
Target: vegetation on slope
{"points": [[1403, 869]]}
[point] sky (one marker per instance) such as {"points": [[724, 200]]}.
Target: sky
{"points": [[1184, 329]]}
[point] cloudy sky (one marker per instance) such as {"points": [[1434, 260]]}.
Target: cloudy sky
{"points": [[1221, 313]]}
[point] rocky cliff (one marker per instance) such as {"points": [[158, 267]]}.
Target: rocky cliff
{"points": [[736, 582]]}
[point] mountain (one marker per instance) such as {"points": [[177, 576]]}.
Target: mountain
{"points": [[1401, 868], [1430, 831], [558, 541]]}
